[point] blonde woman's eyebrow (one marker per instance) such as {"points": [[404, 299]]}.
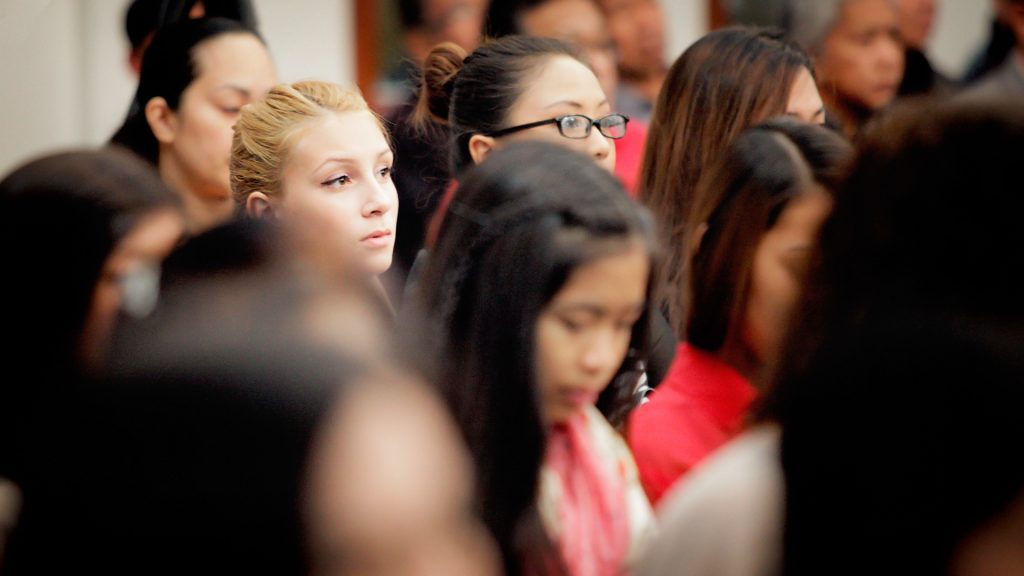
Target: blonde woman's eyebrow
{"points": [[350, 159]]}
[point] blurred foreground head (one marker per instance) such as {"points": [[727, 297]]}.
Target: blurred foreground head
{"points": [[249, 425], [899, 393]]}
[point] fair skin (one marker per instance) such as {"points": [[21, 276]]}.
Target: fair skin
{"points": [[638, 29], [860, 64], [338, 175], [776, 276], [584, 332], [581, 24], [561, 86], [148, 243], [391, 489], [195, 139], [804, 100], [916, 18]]}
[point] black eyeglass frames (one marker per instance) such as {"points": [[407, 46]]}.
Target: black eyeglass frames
{"points": [[576, 126]]}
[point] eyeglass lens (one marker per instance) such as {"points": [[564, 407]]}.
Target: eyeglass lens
{"points": [[578, 126]]}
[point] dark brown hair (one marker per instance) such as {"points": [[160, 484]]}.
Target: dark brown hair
{"points": [[907, 351], [473, 94], [761, 171], [727, 81]]}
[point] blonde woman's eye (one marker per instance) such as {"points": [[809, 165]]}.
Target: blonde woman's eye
{"points": [[339, 181]]}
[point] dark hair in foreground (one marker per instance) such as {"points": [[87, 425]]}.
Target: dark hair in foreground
{"points": [[168, 68], [900, 390], [473, 94], [739, 200], [724, 83], [192, 449], [60, 218], [524, 220], [144, 17]]}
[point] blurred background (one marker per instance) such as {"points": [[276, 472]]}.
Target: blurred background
{"points": [[66, 79]]}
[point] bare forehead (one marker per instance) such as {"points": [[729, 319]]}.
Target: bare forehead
{"points": [[232, 51], [557, 78]]}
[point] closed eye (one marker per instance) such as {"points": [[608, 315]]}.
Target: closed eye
{"points": [[571, 325]]}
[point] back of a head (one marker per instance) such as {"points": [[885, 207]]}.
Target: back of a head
{"points": [[725, 82], [912, 322], [524, 220], [267, 129], [938, 186], [168, 68], [739, 200], [144, 17], [61, 217], [217, 399], [473, 94]]}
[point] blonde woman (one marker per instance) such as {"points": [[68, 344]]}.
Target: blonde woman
{"points": [[315, 157]]}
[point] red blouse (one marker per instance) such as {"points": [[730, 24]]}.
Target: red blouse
{"points": [[699, 406]]}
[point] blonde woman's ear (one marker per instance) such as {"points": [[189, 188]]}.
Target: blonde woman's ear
{"points": [[259, 205]]}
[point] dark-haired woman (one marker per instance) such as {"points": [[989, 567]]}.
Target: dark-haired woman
{"points": [[898, 391], [196, 76], [724, 83], [538, 296], [522, 88], [82, 236], [755, 224]]}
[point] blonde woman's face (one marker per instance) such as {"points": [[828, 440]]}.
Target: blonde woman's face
{"points": [[561, 87], [338, 176], [233, 70]]}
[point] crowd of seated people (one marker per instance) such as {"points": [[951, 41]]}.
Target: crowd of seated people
{"points": [[542, 304]]}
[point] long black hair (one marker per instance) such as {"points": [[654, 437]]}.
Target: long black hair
{"points": [[739, 201], [168, 68], [525, 219], [60, 218], [899, 390]]}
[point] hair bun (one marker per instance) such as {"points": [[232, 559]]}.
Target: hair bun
{"points": [[440, 69]]}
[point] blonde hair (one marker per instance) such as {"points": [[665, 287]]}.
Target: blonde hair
{"points": [[267, 130]]}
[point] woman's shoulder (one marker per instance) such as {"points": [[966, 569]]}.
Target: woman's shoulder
{"points": [[727, 516]]}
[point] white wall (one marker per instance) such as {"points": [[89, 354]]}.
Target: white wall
{"points": [[961, 28], [685, 22], [40, 78], [65, 77]]}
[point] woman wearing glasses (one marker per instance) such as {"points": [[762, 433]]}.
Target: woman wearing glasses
{"points": [[522, 88], [517, 87]]}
